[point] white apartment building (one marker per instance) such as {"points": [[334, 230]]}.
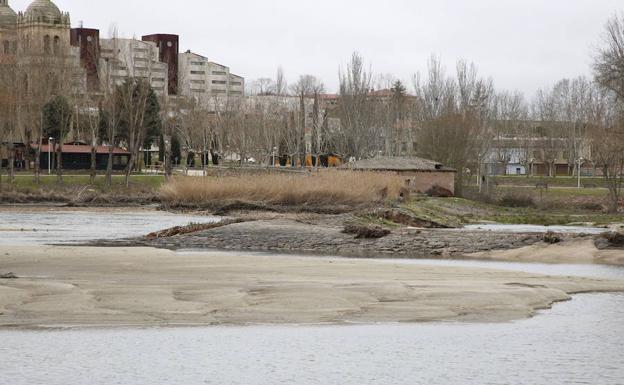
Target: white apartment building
{"points": [[121, 59], [202, 79]]}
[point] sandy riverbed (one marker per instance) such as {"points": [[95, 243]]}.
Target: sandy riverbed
{"points": [[576, 251], [74, 286]]}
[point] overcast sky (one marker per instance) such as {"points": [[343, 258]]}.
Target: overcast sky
{"points": [[521, 44]]}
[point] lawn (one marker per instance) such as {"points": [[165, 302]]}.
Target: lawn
{"points": [[25, 182]]}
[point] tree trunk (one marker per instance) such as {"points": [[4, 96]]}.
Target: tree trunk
{"points": [[37, 160], [129, 168], [59, 163], [93, 173], [109, 166], [11, 162]]}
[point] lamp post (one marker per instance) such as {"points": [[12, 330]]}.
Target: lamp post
{"points": [[50, 142], [580, 162]]}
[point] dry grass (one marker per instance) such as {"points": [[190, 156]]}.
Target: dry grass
{"points": [[326, 188]]}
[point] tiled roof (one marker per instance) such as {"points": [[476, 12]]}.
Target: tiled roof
{"points": [[385, 163]]}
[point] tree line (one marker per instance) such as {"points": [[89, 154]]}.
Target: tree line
{"points": [[457, 117]]}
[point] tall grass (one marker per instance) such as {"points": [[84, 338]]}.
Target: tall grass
{"points": [[326, 188]]}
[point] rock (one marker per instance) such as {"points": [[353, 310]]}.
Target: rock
{"points": [[609, 240], [8, 276]]}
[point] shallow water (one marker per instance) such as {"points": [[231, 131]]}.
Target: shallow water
{"points": [[54, 225], [537, 229], [578, 342]]}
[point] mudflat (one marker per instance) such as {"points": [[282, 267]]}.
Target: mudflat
{"points": [[98, 286]]}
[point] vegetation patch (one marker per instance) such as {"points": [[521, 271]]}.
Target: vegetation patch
{"points": [[329, 188], [366, 232], [517, 200], [552, 238]]}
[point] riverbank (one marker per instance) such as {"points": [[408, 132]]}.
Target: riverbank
{"points": [[90, 286]]}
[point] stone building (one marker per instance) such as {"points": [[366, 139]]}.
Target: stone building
{"points": [[421, 175]]}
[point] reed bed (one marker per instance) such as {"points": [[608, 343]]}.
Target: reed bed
{"points": [[326, 188]]}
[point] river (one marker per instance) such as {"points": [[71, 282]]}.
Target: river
{"points": [[576, 342]]}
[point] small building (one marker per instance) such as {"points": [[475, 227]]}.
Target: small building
{"points": [[421, 175], [78, 157]]}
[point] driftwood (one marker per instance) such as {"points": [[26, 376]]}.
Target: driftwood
{"points": [[192, 228]]}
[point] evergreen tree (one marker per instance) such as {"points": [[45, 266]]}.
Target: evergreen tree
{"points": [[161, 149], [152, 121], [56, 118], [176, 149]]}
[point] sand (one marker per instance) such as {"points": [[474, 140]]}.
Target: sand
{"points": [[74, 286], [581, 251]]}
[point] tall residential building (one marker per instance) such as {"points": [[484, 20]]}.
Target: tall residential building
{"points": [[202, 79], [168, 50], [122, 59]]}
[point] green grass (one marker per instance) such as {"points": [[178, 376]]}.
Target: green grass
{"points": [[458, 211], [556, 192], [562, 181], [25, 182]]}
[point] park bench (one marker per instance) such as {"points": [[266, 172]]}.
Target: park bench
{"points": [[589, 185], [541, 185]]}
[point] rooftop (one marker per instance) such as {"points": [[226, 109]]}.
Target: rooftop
{"points": [[386, 163]]}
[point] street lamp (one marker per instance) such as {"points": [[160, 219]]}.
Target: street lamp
{"points": [[50, 141], [580, 162]]}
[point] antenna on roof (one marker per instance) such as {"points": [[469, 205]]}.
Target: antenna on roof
{"points": [[81, 24]]}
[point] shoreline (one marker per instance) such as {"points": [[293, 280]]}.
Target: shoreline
{"points": [[323, 235], [146, 287]]}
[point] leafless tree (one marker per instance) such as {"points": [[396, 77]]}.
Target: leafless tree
{"points": [[609, 59], [454, 116], [358, 137]]}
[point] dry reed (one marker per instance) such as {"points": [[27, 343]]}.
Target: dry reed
{"points": [[325, 188]]}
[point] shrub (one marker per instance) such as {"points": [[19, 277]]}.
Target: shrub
{"points": [[369, 232], [551, 238], [517, 200]]}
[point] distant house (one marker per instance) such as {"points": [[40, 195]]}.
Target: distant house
{"points": [[78, 157], [420, 174]]}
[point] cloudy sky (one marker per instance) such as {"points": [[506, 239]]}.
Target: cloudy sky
{"points": [[521, 44]]}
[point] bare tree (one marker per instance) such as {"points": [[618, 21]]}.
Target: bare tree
{"points": [[609, 59], [359, 137], [281, 85], [454, 116]]}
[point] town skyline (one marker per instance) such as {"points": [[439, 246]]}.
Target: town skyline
{"points": [[554, 41]]}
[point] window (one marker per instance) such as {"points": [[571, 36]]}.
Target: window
{"points": [[197, 63], [198, 72], [219, 82], [216, 91], [198, 81], [120, 160], [57, 45], [236, 92], [219, 73], [236, 83], [46, 44]]}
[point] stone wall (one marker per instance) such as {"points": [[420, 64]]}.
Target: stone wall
{"points": [[421, 181]]}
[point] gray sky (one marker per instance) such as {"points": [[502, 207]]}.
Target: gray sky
{"points": [[521, 44]]}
